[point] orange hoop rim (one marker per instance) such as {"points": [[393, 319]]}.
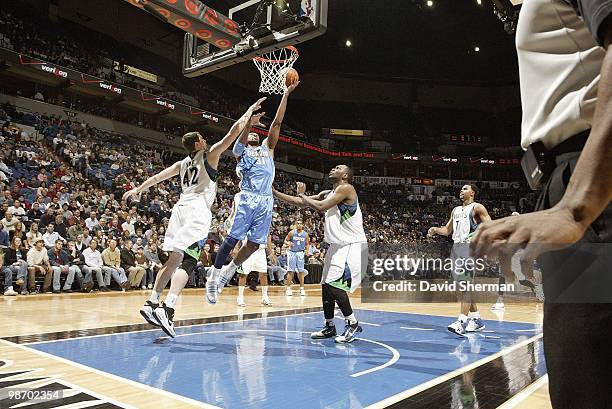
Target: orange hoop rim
{"points": [[269, 61]]}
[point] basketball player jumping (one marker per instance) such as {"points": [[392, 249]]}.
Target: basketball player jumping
{"points": [[347, 255], [462, 224], [297, 241], [252, 210], [191, 216]]}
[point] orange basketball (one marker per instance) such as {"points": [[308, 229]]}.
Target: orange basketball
{"points": [[291, 77]]}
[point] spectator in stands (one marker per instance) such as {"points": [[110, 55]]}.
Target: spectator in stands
{"points": [[9, 221], [17, 209], [276, 269], [4, 237], [86, 237], [60, 226], [18, 232], [94, 264], [35, 212], [48, 217], [155, 265], [51, 236], [38, 264], [91, 222], [60, 264], [141, 262], [128, 262], [15, 263], [77, 261], [111, 257], [33, 235]]}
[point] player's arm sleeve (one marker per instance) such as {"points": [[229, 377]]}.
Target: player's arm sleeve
{"points": [[597, 15], [238, 148]]}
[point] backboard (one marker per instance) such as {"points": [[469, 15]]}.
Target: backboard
{"points": [[265, 25]]}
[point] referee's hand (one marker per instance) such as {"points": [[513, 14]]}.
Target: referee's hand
{"points": [[537, 233]]}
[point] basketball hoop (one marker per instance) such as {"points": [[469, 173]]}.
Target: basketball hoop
{"points": [[273, 67]]}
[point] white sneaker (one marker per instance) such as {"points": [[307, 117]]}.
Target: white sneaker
{"points": [[302, 292], [144, 287], [266, 301], [474, 325], [457, 327], [150, 286], [288, 292], [10, 292], [499, 304], [240, 302], [165, 315], [147, 313]]}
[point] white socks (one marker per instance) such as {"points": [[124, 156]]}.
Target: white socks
{"points": [[171, 300], [475, 315], [351, 319], [241, 291], [463, 318], [264, 291], [154, 297]]}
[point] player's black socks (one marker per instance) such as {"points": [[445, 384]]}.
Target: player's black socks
{"points": [[226, 248]]}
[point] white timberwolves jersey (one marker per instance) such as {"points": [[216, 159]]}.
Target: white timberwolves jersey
{"points": [[344, 224], [464, 223], [196, 179]]}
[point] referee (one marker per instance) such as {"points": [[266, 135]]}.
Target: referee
{"points": [[565, 62]]}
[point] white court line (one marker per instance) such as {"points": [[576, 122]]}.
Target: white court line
{"points": [[527, 330], [395, 352], [159, 329], [418, 329], [113, 377], [525, 393], [419, 388]]}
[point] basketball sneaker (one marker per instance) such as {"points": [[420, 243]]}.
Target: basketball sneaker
{"points": [[499, 304], [474, 325], [10, 292], [457, 327], [302, 292], [265, 301], [349, 334], [240, 302], [288, 292], [327, 332], [212, 286], [164, 315], [224, 278], [147, 313]]}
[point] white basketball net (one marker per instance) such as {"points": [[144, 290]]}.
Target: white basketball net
{"points": [[273, 68]]}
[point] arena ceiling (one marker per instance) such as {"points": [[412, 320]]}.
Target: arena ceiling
{"points": [[391, 39]]}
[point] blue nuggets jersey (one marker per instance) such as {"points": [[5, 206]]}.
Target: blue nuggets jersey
{"points": [[256, 170], [298, 242]]}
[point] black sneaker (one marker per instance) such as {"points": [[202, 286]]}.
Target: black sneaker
{"points": [[328, 331], [87, 287], [147, 313], [164, 315], [349, 334]]}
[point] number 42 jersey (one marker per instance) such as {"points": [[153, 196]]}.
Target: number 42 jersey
{"points": [[198, 179]]}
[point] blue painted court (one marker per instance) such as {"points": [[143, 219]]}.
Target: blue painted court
{"points": [[273, 363]]}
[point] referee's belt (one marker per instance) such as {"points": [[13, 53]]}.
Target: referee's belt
{"points": [[539, 162]]}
